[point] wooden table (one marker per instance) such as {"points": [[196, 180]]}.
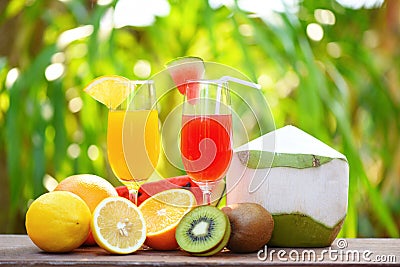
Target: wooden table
{"points": [[19, 250]]}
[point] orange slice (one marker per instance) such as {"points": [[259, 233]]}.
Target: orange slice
{"points": [[109, 90], [118, 226], [162, 213]]}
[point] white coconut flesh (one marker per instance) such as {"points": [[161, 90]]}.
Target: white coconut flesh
{"points": [[290, 172]]}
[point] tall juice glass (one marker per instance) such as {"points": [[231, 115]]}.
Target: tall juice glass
{"points": [[206, 134], [133, 142]]}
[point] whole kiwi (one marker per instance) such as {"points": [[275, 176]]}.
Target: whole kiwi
{"points": [[252, 227]]}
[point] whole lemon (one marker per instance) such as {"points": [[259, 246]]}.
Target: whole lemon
{"points": [[58, 221]]}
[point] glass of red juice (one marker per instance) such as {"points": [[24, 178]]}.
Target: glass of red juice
{"points": [[206, 134]]}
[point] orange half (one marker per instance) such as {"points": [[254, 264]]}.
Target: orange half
{"points": [[162, 213]]}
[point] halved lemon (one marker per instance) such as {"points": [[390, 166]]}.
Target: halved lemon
{"points": [[118, 225], [162, 213], [110, 90]]}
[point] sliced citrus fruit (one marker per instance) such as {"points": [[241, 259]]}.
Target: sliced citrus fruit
{"points": [[118, 226], [109, 90], [162, 213]]}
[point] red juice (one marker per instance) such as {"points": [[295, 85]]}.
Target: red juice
{"points": [[206, 146]]}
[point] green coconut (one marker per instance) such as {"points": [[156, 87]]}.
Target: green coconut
{"points": [[306, 233], [300, 180]]}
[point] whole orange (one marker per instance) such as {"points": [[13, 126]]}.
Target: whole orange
{"points": [[91, 188]]}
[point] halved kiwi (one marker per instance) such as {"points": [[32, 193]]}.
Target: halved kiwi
{"points": [[202, 230], [221, 244]]}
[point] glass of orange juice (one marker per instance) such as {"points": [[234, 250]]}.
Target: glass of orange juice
{"points": [[133, 141]]}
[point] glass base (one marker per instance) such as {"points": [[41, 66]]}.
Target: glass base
{"points": [[133, 188]]}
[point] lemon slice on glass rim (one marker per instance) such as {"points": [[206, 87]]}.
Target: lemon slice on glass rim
{"points": [[118, 226], [110, 90]]}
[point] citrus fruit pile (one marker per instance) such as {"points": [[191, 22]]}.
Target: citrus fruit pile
{"points": [[86, 209], [52, 220]]}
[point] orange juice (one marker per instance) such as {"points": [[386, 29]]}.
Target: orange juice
{"points": [[133, 143]]}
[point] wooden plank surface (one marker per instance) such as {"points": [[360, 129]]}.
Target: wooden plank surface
{"points": [[19, 250]]}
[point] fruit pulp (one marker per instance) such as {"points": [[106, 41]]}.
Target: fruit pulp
{"points": [[133, 143], [206, 146]]}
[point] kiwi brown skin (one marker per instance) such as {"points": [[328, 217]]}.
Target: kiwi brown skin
{"points": [[252, 227]]}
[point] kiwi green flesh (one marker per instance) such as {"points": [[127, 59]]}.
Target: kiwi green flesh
{"points": [[218, 248], [201, 229], [299, 230]]}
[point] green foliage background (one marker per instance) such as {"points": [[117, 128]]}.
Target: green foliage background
{"points": [[343, 89]]}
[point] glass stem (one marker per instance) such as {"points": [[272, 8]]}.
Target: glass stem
{"points": [[206, 189], [133, 188]]}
